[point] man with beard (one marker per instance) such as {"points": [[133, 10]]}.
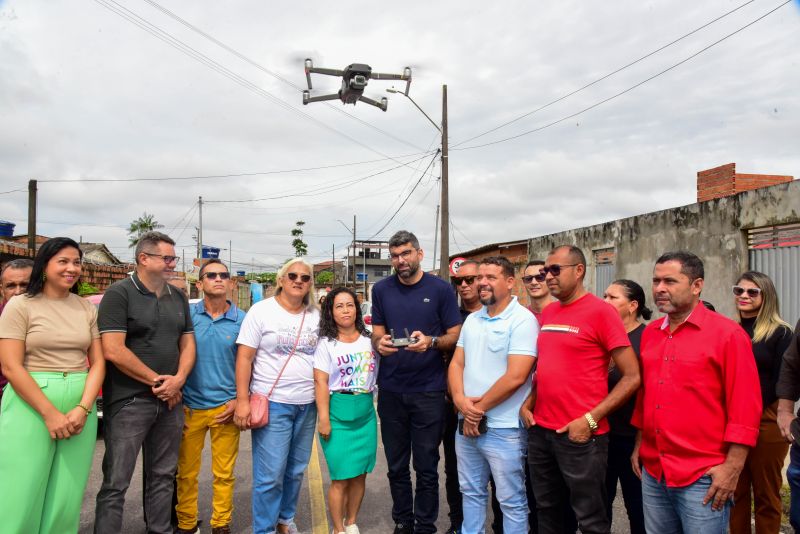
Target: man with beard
{"points": [[568, 444], [489, 378], [700, 405], [412, 379], [14, 279], [148, 341]]}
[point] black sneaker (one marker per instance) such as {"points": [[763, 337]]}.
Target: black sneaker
{"points": [[400, 528]]}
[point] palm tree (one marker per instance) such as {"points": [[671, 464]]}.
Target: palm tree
{"points": [[142, 225]]}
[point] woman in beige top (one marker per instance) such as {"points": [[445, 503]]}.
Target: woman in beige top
{"points": [[48, 424]]}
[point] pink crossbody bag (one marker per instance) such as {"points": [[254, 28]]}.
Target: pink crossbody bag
{"points": [[259, 404]]}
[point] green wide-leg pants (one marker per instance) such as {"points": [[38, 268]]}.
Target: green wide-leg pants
{"points": [[42, 480]]}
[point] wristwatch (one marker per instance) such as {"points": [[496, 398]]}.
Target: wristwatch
{"points": [[591, 421], [434, 342]]}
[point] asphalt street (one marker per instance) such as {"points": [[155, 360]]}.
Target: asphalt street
{"points": [[375, 515]]}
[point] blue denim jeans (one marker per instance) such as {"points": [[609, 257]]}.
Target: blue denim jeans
{"points": [[501, 452], [681, 510], [281, 451], [793, 475]]}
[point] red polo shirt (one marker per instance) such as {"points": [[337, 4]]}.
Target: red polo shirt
{"points": [[700, 392], [575, 342]]}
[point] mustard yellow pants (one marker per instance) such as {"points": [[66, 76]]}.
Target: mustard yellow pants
{"points": [[224, 450]]}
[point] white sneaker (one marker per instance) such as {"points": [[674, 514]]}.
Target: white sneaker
{"points": [[351, 529], [334, 532]]}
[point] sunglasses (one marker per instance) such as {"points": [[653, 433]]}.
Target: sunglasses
{"points": [[554, 269], [752, 292], [167, 259], [213, 276], [530, 278], [468, 279], [305, 278]]}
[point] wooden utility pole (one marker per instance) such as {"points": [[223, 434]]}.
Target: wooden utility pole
{"points": [[444, 260], [200, 230], [32, 189], [364, 253], [435, 235], [333, 263], [354, 253]]}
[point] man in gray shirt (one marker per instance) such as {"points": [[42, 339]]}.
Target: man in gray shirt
{"points": [[148, 341]]}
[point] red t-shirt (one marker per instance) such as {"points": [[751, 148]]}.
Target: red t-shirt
{"points": [[575, 341], [700, 391]]}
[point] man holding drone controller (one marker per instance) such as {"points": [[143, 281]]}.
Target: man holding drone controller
{"points": [[412, 379]]}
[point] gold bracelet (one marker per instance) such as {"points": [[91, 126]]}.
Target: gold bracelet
{"points": [[591, 421], [84, 408]]}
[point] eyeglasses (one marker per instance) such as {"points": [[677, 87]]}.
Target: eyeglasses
{"points": [[167, 259], [530, 278], [554, 269], [305, 278], [752, 292], [458, 280], [213, 276]]}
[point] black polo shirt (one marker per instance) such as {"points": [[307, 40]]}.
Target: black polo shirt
{"points": [[153, 327]]}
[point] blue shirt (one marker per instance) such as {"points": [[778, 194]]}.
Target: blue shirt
{"points": [[487, 342], [429, 306], [212, 382]]}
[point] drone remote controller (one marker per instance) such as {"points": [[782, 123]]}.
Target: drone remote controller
{"points": [[403, 341]]}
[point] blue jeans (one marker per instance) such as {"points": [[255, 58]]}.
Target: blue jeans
{"points": [[501, 452], [793, 475], [281, 451], [681, 510]]}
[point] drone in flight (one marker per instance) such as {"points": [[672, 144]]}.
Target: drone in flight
{"points": [[354, 80]]}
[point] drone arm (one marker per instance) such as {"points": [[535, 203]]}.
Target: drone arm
{"points": [[383, 104], [326, 72], [307, 98]]}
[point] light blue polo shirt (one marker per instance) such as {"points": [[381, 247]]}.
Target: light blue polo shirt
{"points": [[212, 382], [487, 342]]}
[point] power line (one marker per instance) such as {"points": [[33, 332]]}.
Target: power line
{"points": [[590, 84], [460, 232], [14, 191], [629, 89], [260, 67], [409, 196], [312, 192], [179, 45]]}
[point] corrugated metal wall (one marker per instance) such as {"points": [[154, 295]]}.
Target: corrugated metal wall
{"points": [[782, 264], [604, 275]]}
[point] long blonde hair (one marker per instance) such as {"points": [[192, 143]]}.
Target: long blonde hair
{"points": [[769, 317], [309, 299]]}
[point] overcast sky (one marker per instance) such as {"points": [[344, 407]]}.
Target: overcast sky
{"points": [[86, 94]]}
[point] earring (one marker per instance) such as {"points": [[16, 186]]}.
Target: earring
{"points": [[44, 277]]}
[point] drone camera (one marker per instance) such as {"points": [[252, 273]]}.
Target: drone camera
{"points": [[358, 81]]}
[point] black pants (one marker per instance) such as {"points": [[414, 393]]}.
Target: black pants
{"points": [[620, 449], [452, 490], [412, 426], [561, 470]]}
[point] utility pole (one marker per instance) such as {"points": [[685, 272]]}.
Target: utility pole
{"points": [[333, 262], [364, 253], [435, 235], [230, 254], [32, 189], [354, 254], [200, 230], [444, 260], [347, 271]]}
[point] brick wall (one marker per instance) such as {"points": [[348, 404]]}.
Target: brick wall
{"points": [[724, 181], [102, 276]]}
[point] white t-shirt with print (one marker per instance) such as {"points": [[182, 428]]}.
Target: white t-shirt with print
{"points": [[272, 331], [351, 366]]}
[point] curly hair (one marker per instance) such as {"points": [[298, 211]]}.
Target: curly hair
{"points": [[327, 325]]}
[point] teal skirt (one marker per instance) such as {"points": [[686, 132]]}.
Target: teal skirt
{"points": [[350, 450]]}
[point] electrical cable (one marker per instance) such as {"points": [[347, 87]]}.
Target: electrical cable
{"points": [[235, 175], [265, 70], [629, 89], [462, 233], [598, 80], [406, 200], [176, 43]]}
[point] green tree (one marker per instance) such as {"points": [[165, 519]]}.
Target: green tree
{"points": [[300, 246], [324, 278], [139, 227]]}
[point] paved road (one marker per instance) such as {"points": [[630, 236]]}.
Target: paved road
{"points": [[375, 513]]}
